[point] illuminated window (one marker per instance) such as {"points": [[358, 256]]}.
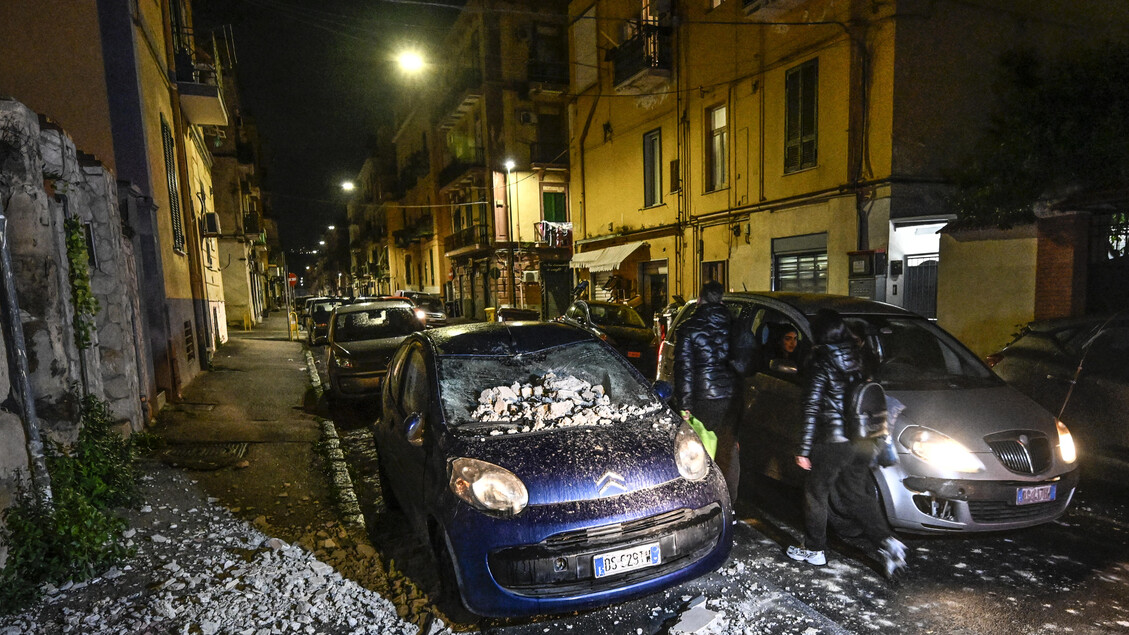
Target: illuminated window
{"points": [[717, 151]]}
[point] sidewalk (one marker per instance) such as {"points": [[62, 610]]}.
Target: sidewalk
{"points": [[239, 532]]}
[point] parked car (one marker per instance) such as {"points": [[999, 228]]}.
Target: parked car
{"points": [[544, 472], [973, 453], [317, 324], [304, 309], [362, 338], [435, 314], [1092, 355], [621, 327]]}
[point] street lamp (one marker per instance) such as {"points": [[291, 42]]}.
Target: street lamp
{"points": [[509, 230], [331, 227], [411, 62], [348, 186]]}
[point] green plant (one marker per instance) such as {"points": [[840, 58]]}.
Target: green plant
{"points": [[85, 304], [75, 536]]}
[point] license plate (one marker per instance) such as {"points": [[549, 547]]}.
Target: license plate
{"points": [[634, 354], [1031, 495], [626, 560]]}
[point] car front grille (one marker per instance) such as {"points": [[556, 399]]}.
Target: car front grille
{"points": [[1022, 452], [561, 565], [1004, 512]]}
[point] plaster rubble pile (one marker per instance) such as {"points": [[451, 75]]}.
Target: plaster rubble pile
{"points": [[550, 401]]}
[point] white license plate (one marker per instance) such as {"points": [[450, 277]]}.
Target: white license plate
{"points": [[626, 560], [1031, 495]]}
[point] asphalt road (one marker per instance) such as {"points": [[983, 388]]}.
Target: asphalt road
{"points": [[1069, 576]]}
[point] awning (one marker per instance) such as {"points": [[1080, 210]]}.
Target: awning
{"points": [[606, 259]]}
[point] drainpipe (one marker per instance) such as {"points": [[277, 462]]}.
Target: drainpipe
{"points": [[18, 369]]}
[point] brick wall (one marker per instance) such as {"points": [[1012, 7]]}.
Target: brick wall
{"points": [[1060, 270]]}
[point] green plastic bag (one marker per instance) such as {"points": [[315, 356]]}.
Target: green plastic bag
{"points": [[708, 437]]}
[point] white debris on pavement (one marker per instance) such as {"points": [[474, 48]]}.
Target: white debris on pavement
{"points": [[553, 402]]}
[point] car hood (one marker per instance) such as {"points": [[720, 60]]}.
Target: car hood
{"points": [[968, 415], [376, 352], [574, 464]]}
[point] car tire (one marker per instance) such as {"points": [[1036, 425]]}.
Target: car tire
{"points": [[449, 599]]}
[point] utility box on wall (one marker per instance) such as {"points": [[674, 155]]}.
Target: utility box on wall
{"points": [[867, 274]]}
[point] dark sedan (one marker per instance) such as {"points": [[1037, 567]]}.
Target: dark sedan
{"points": [[362, 338], [544, 472], [1092, 355], [620, 326], [318, 321]]}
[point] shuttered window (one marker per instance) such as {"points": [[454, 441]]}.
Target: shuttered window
{"points": [[800, 113], [174, 187], [652, 170]]}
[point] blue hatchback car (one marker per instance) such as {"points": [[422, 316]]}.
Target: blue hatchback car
{"points": [[544, 471]]}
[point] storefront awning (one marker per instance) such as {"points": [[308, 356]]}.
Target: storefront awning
{"points": [[606, 259]]}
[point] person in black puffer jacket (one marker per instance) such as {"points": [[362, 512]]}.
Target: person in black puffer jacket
{"points": [[834, 461], [704, 379]]}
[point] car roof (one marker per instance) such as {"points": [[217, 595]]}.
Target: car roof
{"points": [[503, 338], [810, 303], [367, 306]]}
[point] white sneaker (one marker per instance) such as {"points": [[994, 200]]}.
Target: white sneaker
{"points": [[893, 555], [800, 554]]}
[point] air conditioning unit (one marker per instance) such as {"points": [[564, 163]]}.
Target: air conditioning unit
{"points": [[532, 276], [527, 116], [210, 225]]}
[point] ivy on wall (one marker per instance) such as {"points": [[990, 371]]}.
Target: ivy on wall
{"points": [[85, 304]]}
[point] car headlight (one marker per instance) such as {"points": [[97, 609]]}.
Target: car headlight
{"points": [[342, 361], [487, 486], [936, 448], [690, 455], [421, 315], [1066, 443]]}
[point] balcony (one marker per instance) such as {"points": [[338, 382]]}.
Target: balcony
{"points": [[553, 235], [200, 87], [476, 236], [420, 230], [547, 77], [465, 93], [462, 163], [643, 63], [251, 224], [549, 154], [416, 166]]}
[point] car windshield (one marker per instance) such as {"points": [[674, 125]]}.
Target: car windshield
{"points": [[576, 384], [322, 310], [615, 315], [914, 354], [435, 305], [374, 324]]}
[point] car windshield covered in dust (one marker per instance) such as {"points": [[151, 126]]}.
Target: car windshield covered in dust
{"points": [[581, 383], [375, 324]]}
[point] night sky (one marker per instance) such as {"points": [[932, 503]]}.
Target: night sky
{"points": [[317, 77]]}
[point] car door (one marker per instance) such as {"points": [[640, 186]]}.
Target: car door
{"points": [[407, 433], [772, 423]]}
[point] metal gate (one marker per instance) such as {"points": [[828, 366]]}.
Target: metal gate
{"points": [[921, 284], [1107, 285]]}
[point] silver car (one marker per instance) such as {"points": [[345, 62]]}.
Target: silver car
{"points": [[973, 453]]}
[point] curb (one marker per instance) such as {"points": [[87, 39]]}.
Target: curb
{"points": [[346, 497]]}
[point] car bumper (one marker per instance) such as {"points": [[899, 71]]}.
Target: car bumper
{"points": [[927, 504], [542, 561]]}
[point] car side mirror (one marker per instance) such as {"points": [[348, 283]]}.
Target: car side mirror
{"points": [[413, 429], [783, 366], [663, 390]]}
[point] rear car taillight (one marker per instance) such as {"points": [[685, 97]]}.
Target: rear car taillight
{"points": [[994, 359]]}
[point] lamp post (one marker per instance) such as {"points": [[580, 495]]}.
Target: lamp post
{"points": [[510, 233]]}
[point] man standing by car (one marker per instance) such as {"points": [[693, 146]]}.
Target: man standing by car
{"points": [[834, 461], [704, 380]]}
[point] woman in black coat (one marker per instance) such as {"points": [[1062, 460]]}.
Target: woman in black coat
{"points": [[834, 461]]}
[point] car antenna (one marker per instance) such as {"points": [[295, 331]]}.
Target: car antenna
{"points": [[744, 287], [1082, 359]]}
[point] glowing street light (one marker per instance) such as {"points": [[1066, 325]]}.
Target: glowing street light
{"points": [[321, 242], [410, 62], [331, 227], [348, 186]]}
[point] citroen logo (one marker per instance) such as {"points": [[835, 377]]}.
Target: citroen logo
{"points": [[609, 480]]}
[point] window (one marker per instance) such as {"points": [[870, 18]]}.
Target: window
{"points": [[408, 269], [174, 186], [800, 90], [717, 149], [715, 270], [652, 171], [799, 263], [553, 206]]}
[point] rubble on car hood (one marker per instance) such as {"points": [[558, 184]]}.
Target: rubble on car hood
{"points": [[550, 402]]}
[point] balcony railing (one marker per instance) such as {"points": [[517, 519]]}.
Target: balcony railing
{"points": [[554, 234], [546, 72], [468, 237], [472, 158], [644, 61], [465, 91], [550, 153]]}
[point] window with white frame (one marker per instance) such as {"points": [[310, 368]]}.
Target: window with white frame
{"points": [[717, 148], [652, 168]]}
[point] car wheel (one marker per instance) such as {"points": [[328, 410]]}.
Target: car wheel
{"points": [[449, 600]]}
